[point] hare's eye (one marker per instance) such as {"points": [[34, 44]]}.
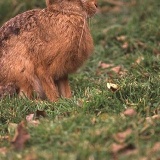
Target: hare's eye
{"points": [[96, 5]]}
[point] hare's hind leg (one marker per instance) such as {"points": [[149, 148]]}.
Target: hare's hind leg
{"points": [[48, 85], [64, 87]]}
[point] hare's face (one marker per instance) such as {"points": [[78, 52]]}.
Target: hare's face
{"points": [[90, 7]]}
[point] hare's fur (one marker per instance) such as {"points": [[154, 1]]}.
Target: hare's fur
{"points": [[40, 47]]}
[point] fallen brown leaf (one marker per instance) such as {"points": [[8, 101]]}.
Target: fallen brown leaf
{"points": [[4, 137], [156, 147], [30, 119], [21, 136], [156, 117], [116, 69], [130, 152], [3, 151], [123, 149], [104, 65], [130, 112], [125, 45], [121, 38], [115, 148], [122, 136], [139, 60]]}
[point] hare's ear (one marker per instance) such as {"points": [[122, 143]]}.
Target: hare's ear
{"points": [[49, 2]]}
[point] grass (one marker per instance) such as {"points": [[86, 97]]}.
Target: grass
{"points": [[87, 125]]}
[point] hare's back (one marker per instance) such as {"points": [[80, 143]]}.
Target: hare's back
{"points": [[15, 26]]}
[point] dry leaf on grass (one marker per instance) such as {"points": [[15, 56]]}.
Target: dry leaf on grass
{"points": [[4, 137], [139, 60], [21, 136], [30, 119], [125, 45], [121, 38], [130, 112], [115, 148], [122, 136], [104, 65], [116, 69], [113, 87], [156, 147], [151, 119], [156, 117], [3, 151], [125, 149]]}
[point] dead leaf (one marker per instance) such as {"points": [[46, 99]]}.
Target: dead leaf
{"points": [[4, 137], [139, 60], [130, 112], [151, 119], [116, 69], [21, 136], [156, 117], [115, 148], [125, 45], [122, 136], [104, 65], [112, 86], [30, 119], [121, 38], [125, 149], [156, 147], [3, 151], [129, 152]]}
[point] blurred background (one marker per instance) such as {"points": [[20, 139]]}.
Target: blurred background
{"points": [[10, 8]]}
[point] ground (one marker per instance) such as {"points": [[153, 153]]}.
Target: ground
{"points": [[115, 109]]}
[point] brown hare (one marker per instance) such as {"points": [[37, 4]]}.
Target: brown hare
{"points": [[40, 47]]}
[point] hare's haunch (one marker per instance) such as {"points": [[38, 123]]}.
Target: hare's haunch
{"points": [[39, 48]]}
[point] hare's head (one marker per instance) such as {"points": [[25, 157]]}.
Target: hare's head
{"points": [[88, 6]]}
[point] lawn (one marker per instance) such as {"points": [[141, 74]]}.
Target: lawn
{"points": [[114, 113]]}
